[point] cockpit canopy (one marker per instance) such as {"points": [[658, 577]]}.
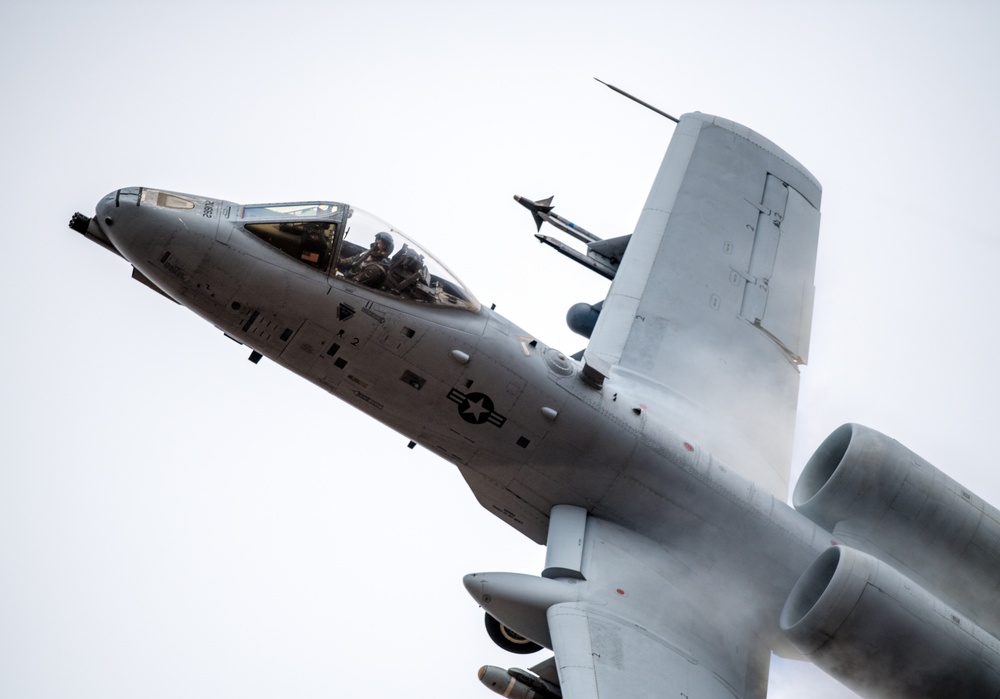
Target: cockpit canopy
{"points": [[358, 247]]}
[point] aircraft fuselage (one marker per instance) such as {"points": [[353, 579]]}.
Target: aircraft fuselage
{"points": [[654, 470], [526, 430]]}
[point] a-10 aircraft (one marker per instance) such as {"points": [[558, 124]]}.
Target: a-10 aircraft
{"points": [[655, 465]]}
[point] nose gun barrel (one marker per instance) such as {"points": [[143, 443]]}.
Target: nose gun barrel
{"points": [[88, 227]]}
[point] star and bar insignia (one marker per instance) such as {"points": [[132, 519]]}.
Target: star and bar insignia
{"points": [[476, 408]]}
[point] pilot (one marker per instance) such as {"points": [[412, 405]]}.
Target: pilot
{"points": [[406, 270], [368, 267]]}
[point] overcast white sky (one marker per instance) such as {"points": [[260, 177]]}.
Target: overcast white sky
{"points": [[176, 521]]}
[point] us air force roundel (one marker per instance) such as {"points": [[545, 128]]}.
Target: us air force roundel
{"points": [[476, 408]]}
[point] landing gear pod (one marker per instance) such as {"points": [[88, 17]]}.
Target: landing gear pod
{"points": [[509, 640]]}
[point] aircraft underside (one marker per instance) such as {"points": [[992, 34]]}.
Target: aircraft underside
{"points": [[654, 466]]}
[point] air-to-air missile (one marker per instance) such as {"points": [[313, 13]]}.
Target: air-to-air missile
{"points": [[602, 256]]}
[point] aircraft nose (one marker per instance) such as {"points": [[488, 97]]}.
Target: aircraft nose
{"points": [[117, 215], [108, 207], [105, 208]]}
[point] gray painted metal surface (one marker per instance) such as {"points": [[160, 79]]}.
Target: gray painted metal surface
{"points": [[656, 468], [713, 299]]}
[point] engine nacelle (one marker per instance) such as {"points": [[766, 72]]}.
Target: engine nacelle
{"points": [[883, 635], [876, 495]]}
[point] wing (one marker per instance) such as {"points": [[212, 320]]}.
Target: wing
{"points": [[712, 301], [599, 656]]}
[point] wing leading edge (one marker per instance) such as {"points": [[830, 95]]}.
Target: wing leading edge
{"points": [[712, 302]]}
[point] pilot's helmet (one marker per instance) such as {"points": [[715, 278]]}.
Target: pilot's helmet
{"points": [[386, 240]]}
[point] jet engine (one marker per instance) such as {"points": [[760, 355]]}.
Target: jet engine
{"points": [[883, 635], [875, 495]]}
